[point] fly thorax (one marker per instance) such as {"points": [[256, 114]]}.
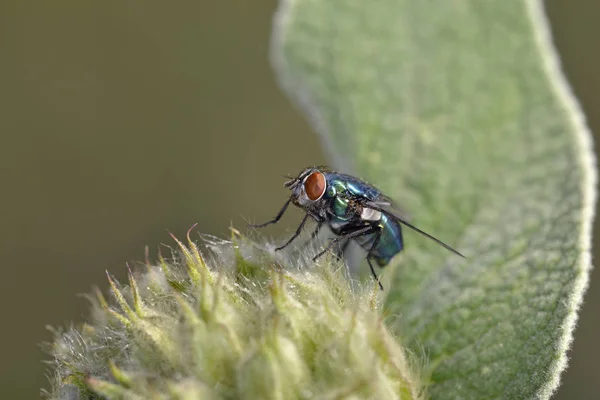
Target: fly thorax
{"points": [[340, 207], [368, 214]]}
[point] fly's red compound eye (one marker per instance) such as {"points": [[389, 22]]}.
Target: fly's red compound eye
{"points": [[315, 185]]}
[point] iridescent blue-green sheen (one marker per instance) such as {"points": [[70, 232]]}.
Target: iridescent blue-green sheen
{"points": [[341, 189], [340, 208], [390, 242]]}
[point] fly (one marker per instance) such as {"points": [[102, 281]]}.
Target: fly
{"points": [[353, 210]]}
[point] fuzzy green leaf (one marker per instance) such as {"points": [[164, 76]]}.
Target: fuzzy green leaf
{"points": [[459, 111]]}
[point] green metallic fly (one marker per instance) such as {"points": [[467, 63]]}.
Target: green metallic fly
{"points": [[353, 210]]}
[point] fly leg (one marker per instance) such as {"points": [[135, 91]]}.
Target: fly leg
{"points": [[365, 230], [370, 255], [277, 217], [295, 235], [314, 234], [339, 253], [316, 231]]}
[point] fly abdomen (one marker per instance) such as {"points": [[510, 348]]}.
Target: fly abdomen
{"points": [[390, 242]]}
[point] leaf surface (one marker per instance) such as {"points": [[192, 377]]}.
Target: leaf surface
{"points": [[459, 111]]}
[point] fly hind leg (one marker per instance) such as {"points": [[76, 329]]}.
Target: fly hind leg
{"points": [[370, 256]]}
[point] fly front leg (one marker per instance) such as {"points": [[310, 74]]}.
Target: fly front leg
{"points": [[295, 235], [315, 233], [277, 217]]}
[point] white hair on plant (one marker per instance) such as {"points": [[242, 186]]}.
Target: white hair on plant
{"points": [[586, 158], [233, 319]]}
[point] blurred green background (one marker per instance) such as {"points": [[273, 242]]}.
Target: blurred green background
{"points": [[120, 120]]}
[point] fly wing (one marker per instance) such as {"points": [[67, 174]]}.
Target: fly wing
{"points": [[386, 207], [364, 192], [389, 207]]}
